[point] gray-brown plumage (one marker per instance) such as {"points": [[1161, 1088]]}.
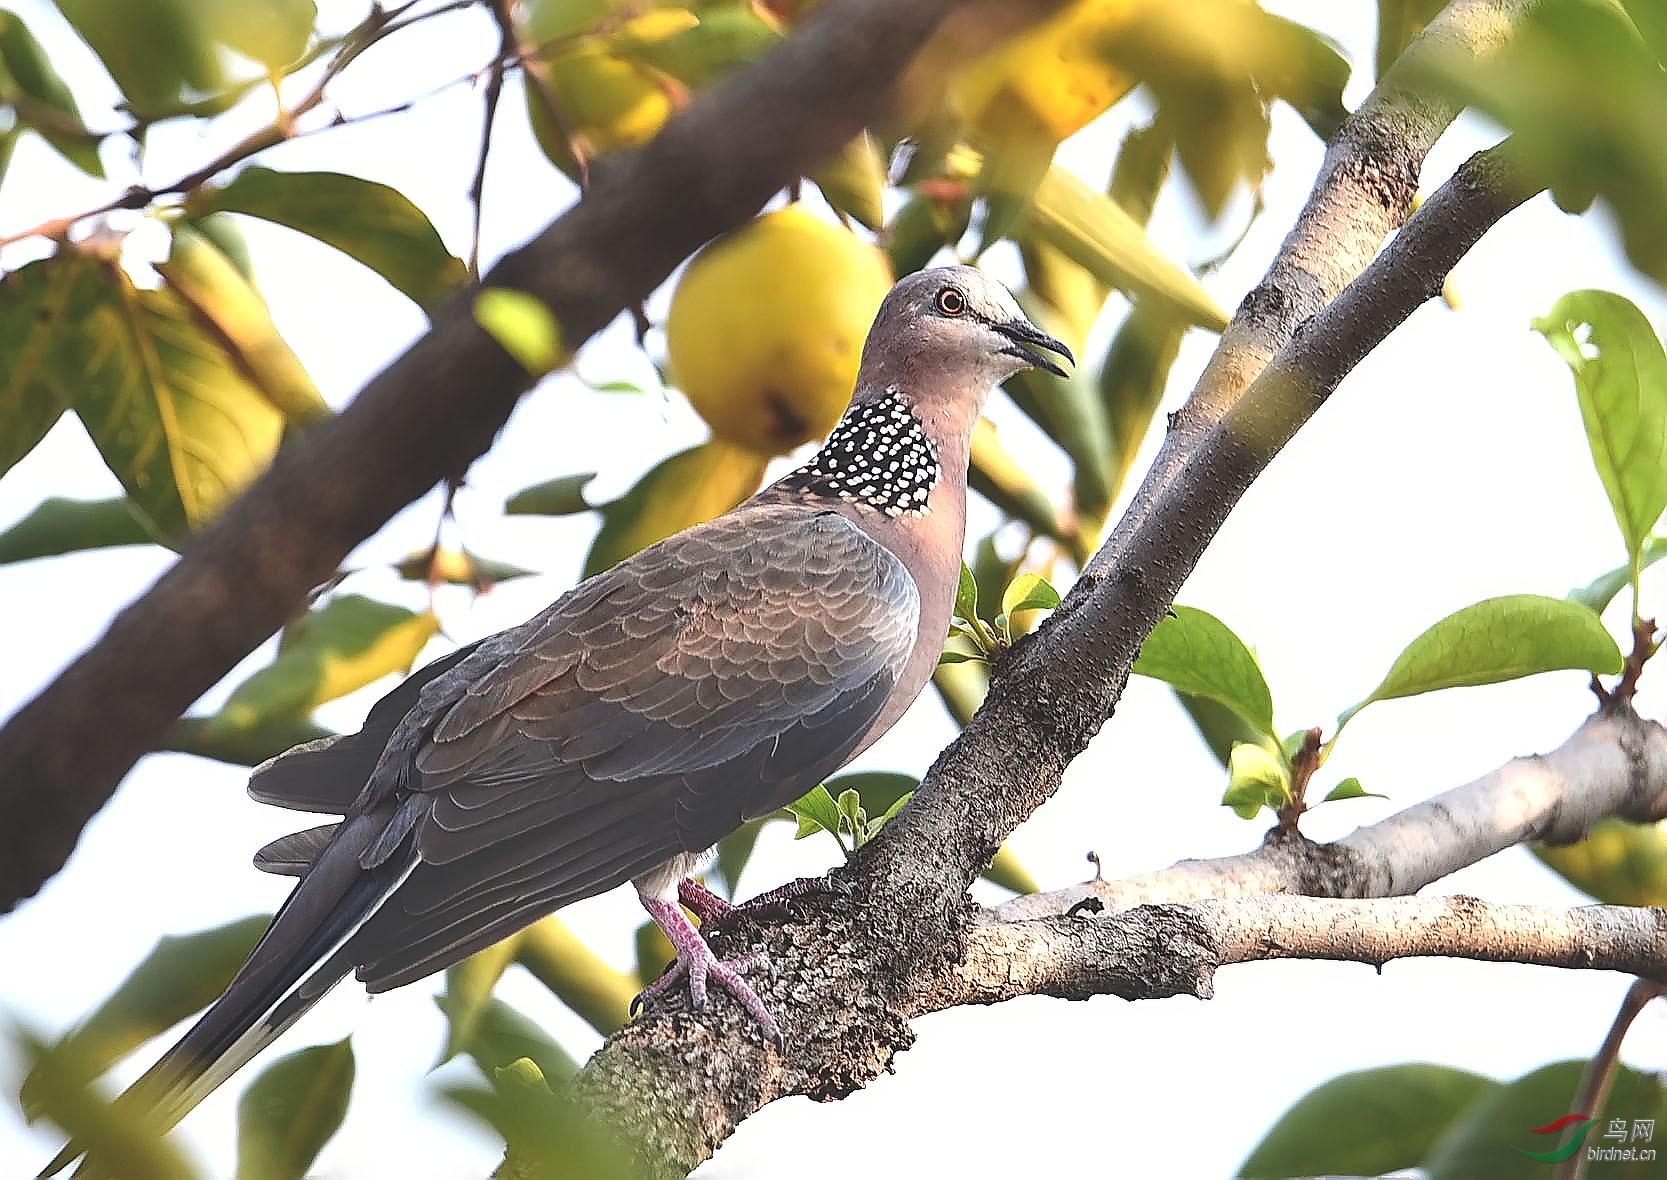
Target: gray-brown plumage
{"points": [[622, 732]]}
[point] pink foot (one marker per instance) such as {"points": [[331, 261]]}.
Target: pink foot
{"points": [[697, 965]]}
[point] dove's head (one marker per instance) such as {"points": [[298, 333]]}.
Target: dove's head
{"points": [[950, 335]]}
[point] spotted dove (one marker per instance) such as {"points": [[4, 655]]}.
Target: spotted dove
{"points": [[619, 734]]}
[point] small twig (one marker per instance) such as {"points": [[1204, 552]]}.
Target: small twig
{"points": [[377, 25], [1303, 765], [508, 47], [1644, 645], [1600, 1071]]}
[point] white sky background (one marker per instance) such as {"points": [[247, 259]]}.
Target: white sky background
{"points": [[1449, 467]]}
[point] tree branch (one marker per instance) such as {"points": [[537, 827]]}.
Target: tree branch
{"points": [[1600, 1070], [430, 414], [1155, 951], [1054, 690], [1614, 764], [843, 984]]}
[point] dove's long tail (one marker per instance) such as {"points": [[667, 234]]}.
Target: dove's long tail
{"points": [[297, 961]]}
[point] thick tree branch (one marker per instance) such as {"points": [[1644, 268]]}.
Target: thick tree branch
{"points": [[430, 414], [844, 981], [1052, 692], [1154, 951], [1614, 764]]}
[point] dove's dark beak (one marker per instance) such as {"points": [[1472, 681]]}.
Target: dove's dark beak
{"points": [[1028, 341]]}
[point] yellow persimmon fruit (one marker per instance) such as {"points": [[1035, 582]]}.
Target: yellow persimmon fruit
{"points": [[766, 328], [1050, 81]]}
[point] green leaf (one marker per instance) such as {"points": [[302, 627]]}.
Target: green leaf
{"points": [[877, 790], [226, 234], [724, 38], [1214, 66], [1221, 727], [734, 851], [28, 78], [815, 811], [1620, 379], [854, 181], [1004, 482], [501, 1035], [966, 595], [1618, 862], [1399, 21], [272, 32], [290, 1111], [851, 812], [1256, 779], [891, 813], [599, 993], [1651, 22], [457, 567], [155, 50], [242, 745], [118, 1137], [175, 420], [952, 656], [1141, 168], [546, 1135], [227, 306], [329, 652], [1194, 652], [654, 952], [562, 496], [1601, 591], [1366, 1123], [1006, 871], [1350, 788], [524, 326], [59, 525], [922, 228], [1583, 98], [179, 977], [962, 688], [369, 222], [1494, 1135], [1096, 233], [1069, 412], [1012, 168], [1133, 379], [1498, 639], [32, 304], [469, 986], [1028, 592], [690, 487]]}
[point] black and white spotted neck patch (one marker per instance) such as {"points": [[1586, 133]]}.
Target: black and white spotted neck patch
{"points": [[878, 456]]}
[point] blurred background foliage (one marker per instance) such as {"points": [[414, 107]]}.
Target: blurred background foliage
{"points": [[180, 377]]}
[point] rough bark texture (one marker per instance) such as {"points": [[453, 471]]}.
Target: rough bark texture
{"points": [[909, 925], [1614, 764], [1156, 951]]}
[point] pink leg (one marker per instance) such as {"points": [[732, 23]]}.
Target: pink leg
{"points": [[714, 912], [697, 963]]}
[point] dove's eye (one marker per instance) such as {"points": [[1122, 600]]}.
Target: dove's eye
{"points": [[951, 301]]}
